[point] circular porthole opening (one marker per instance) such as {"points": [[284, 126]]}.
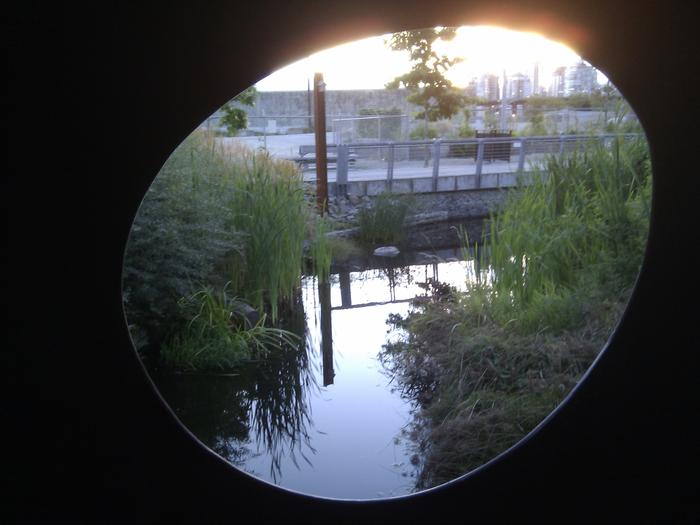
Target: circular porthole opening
{"points": [[384, 265]]}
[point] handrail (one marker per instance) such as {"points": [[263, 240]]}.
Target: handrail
{"points": [[518, 147], [498, 140]]}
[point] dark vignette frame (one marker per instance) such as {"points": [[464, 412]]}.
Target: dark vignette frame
{"points": [[619, 448]]}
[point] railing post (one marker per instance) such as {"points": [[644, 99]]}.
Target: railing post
{"points": [[436, 163], [561, 145], [479, 161], [390, 166], [521, 158], [341, 171]]}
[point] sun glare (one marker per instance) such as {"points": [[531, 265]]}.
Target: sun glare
{"points": [[370, 64]]}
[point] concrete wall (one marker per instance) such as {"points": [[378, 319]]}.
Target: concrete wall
{"points": [[338, 103], [460, 204], [431, 208]]}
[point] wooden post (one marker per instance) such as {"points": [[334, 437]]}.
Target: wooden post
{"points": [[320, 135]]}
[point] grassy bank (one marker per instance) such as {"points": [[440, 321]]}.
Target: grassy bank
{"points": [[220, 229], [487, 365]]}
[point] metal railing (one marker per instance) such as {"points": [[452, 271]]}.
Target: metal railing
{"points": [[455, 164]]}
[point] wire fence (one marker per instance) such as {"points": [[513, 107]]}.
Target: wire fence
{"points": [[350, 128]]}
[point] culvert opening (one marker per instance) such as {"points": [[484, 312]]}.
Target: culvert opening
{"points": [[486, 220]]}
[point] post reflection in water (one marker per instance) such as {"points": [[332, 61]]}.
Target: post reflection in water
{"points": [[324, 297], [273, 419]]}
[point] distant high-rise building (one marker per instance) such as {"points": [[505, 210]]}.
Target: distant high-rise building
{"points": [[580, 78], [536, 80], [472, 88], [519, 86], [558, 88], [488, 87]]}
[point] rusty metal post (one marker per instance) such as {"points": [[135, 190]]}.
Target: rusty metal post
{"points": [[324, 296], [320, 136]]}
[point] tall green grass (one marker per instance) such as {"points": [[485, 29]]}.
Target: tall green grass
{"points": [[382, 221], [214, 214], [581, 225], [487, 365], [218, 335], [267, 206], [179, 236], [321, 249]]}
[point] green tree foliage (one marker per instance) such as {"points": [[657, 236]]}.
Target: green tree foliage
{"points": [[465, 130], [235, 118], [426, 80], [536, 126], [490, 119]]}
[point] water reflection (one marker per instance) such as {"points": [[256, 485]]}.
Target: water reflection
{"points": [[264, 408], [324, 297], [322, 418]]}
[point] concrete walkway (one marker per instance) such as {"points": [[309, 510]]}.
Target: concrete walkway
{"points": [[448, 168]]}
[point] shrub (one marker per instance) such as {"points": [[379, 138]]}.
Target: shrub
{"points": [[213, 215], [178, 236]]}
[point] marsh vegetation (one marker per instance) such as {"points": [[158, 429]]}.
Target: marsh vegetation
{"points": [[486, 365], [238, 300], [216, 249]]}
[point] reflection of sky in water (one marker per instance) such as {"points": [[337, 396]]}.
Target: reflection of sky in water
{"points": [[357, 420]]}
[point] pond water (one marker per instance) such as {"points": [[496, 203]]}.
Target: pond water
{"points": [[323, 419]]}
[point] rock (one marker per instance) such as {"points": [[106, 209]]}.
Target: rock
{"points": [[251, 315], [386, 251]]}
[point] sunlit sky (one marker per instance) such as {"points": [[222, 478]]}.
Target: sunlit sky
{"points": [[370, 64]]}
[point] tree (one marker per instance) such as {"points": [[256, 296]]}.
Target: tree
{"points": [[465, 129], [235, 118], [426, 80]]}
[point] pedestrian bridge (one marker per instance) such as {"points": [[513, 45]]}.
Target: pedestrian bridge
{"points": [[444, 165]]}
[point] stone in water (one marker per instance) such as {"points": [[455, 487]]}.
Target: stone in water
{"points": [[387, 251]]}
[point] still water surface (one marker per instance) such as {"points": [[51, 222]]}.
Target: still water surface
{"points": [[324, 419]]}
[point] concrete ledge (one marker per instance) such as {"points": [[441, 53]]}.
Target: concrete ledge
{"points": [[466, 182], [422, 185], [402, 186], [375, 187], [447, 183]]}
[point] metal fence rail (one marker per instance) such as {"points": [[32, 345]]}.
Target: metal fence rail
{"points": [[455, 164]]}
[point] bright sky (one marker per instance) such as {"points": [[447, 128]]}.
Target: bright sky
{"points": [[369, 63]]}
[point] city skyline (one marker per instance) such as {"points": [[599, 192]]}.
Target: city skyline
{"points": [[370, 64]]}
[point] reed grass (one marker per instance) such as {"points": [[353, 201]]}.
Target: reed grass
{"points": [[382, 221], [321, 249], [215, 213], [218, 336], [580, 227], [485, 366], [267, 206]]}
